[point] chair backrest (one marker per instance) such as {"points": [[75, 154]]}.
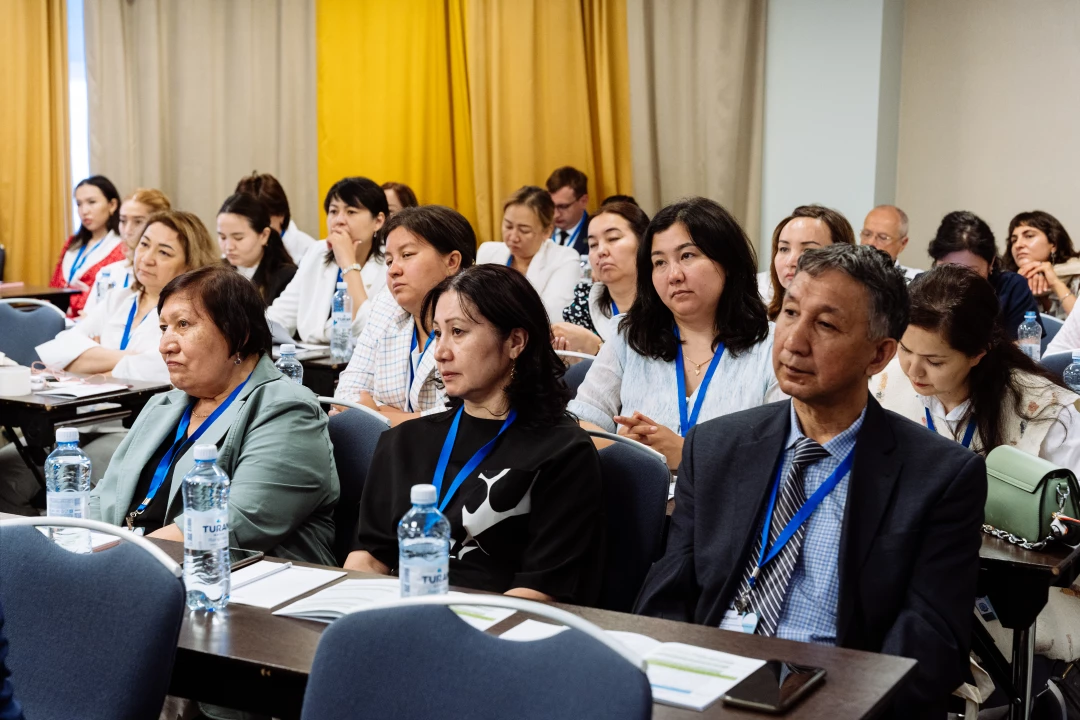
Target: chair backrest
{"points": [[91, 636], [1051, 325], [420, 662], [354, 435], [1057, 362], [635, 508], [575, 374], [21, 331]]}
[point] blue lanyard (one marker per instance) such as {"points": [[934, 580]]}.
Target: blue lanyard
{"points": [[414, 369], [614, 309], [968, 434], [474, 461], [340, 277], [131, 318], [179, 441], [127, 279], [80, 260], [689, 420], [510, 260], [800, 517]]}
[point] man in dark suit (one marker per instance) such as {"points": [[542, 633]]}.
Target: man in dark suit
{"points": [[569, 189], [887, 559]]}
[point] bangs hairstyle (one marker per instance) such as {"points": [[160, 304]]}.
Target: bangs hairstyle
{"points": [[536, 199], [503, 298], [740, 315], [840, 231], [200, 250], [269, 191], [443, 228], [152, 198], [257, 215], [1050, 227], [362, 194], [405, 194], [638, 221], [230, 301], [962, 230], [104, 184], [962, 307]]}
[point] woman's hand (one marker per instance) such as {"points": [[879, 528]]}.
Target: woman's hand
{"points": [[364, 561], [169, 532], [649, 432], [79, 285], [568, 336], [1041, 277], [344, 249]]}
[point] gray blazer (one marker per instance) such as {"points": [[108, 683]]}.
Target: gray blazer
{"points": [[273, 443]]}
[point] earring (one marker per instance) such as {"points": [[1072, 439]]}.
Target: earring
{"points": [[513, 370], [237, 361]]}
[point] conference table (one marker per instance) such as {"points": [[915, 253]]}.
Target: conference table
{"points": [[60, 297], [321, 374], [248, 659]]}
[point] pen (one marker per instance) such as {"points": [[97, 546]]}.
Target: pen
{"points": [[279, 567]]}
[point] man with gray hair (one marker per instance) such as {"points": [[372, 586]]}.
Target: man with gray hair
{"points": [[825, 518], [886, 228]]}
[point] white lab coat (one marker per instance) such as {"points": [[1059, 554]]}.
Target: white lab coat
{"points": [[554, 271]]}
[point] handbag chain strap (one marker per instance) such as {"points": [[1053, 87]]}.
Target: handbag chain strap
{"points": [[1014, 539]]}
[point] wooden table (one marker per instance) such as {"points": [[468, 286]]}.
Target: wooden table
{"points": [[60, 297], [248, 659], [321, 374]]}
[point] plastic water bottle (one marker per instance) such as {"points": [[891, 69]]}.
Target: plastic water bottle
{"points": [[341, 332], [67, 489], [104, 285], [289, 366], [1030, 336], [424, 546], [206, 532], [586, 268], [1072, 373]]}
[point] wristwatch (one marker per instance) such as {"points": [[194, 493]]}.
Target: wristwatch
{"points": [[355, 266]]}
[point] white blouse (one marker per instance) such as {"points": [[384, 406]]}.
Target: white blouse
{"points": [[95, 252], [297, 242], [554, 271], [121, 275]]}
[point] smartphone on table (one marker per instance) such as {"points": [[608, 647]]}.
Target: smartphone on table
{"points": [[239, 558], [775, 687]]}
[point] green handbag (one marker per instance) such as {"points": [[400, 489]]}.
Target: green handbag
{"points": [[1022, 495]]}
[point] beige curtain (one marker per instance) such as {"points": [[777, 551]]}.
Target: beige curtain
{"points": [[696, 95], [190, 96]]}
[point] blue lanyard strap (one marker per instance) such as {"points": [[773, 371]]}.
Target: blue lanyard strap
{"points": [[413, 369], [131, 318], [614, 309], [80, 260], [474, 461], [688, 418], [179, 442], [969, 433], [510, 260], [800, 517]]}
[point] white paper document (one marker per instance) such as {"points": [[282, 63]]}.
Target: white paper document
{"points": [[529, 630], [279, 587], [78, 390]]}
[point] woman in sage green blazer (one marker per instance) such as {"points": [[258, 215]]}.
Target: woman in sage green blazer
{"points": [[270, 432]]}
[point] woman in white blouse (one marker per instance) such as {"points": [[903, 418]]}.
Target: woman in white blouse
{"points": [[695, 345], [528, 219], [352, 253]]}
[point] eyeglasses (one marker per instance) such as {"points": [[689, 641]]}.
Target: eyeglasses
{"points": [[880, 237]]}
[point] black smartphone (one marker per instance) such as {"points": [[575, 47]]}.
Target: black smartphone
{"points": [[239, 557], [775, 687]]}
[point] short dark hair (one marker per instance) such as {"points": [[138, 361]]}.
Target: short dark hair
{"points": [[232, 304], [257, 215], [443, 228], [267, 188], [638, 221], [364, 194], [537, 200], [840, 231], [874, 270], [568, 177], [104, 184], [962, 230], [619, 198], [1050, 226], [405, 194], [740, 315], [507, 300]]}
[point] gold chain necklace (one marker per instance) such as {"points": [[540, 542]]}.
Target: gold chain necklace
{"points": [[697, 365]]}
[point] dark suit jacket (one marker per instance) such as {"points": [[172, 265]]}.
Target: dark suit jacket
{"points": [[581, 244], [909, 550]]}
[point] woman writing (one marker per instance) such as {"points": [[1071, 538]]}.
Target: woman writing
{"points": [[252, 246], [1042, 252], [95, 245], [216, 344], [695, 345], [807, 228], [519, 481], [528, 219]]}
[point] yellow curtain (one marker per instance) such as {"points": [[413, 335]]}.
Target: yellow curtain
{"points": [[393, 98], [35, 164]]}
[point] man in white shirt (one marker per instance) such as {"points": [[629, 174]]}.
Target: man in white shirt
{"points": [[886, 228], [569, 188]]}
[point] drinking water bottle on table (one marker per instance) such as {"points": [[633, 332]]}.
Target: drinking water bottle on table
{"points": [[105, 284], [341, 329], [1072, 373], [67, 489], [289, 366], [206, 532], [1030, 336], [424, 546]]}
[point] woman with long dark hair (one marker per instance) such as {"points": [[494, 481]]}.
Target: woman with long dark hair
{"points": [[1042, 252], [252, 246], [958, 374], [808, 227], [526, 518], [95, 244], [697, 314]]}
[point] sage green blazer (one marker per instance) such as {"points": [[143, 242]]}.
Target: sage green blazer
{"points": [[273, 443]]}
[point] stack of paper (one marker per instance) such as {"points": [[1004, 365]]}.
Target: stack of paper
{"points": [[265, 584], [76, 389]]}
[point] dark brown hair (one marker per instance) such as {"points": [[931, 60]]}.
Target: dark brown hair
{"points": [[405, 194], [839, 232], [638, 221], [362, 194], [268, 190], [104, 184], [443, 228], [1050, 227], [568, 177], [258, 219], [537, 200]]}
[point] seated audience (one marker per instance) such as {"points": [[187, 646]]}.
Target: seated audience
{"points": [[552, 269], [216, 343], [963, 238], [393, 365], [134, 212], [1041, 251], [95, 245], [592, 318], [957, 374], [398, 196], [888, 556], [886, 228], [527, 519], [252, 246], [696, 315], [807, 228], [569, 189], [355, 212], [267, 188]]}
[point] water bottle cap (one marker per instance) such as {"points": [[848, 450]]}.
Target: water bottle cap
{"points": [[1029, 315], [342, 285], [67, 435], [206, 452], [1076, 355], [288, 349], [423, 495]]}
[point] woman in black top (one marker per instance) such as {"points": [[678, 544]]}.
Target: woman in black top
{"points": [[252, 246], [528, 520]]}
